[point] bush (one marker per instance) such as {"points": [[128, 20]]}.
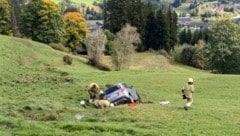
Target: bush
{"points": [[164, 53], [199, 60], [187, 55], [177, 54], [192, 55], [59, 46], [67, 60]]}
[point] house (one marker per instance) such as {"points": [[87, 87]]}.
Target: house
{"points": [[237, 6], [237, 20], [198, 25], [97, 26], [184, 20]]}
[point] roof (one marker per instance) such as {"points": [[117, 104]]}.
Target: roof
{"points": [[184, 19], [201, 25]]}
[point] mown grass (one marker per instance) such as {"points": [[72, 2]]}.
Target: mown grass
{"points": [[39, 95]]}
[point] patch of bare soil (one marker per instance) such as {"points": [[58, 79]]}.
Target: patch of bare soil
{"points": [[27, 59]]}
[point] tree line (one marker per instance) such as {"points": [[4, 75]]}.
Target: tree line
{"points": [[191, 37]]}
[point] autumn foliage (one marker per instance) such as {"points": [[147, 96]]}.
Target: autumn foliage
{"points": [[76, 29]]}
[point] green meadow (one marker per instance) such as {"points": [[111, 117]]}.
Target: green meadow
{"points": [[39, 95]]}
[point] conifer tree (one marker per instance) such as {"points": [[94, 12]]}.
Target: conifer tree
{"points": [[173, 28], [150, 30], [189, 36], [119, 12], [42, 21]]}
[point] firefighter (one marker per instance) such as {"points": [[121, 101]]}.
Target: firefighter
{"points": [[187, 91], [93, 90]]}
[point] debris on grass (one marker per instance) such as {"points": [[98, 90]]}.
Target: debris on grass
{"points": [[164, 102]]}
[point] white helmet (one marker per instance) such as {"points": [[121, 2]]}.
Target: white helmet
{"points": [[101, 92], [190, 80]]}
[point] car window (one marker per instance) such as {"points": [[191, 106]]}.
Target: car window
{"points": [[112, 89]]}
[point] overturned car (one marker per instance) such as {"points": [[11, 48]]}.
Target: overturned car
{"points": [[121, 93]]}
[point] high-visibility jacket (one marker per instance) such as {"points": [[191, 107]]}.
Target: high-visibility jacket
{"points": [[188, 90]]}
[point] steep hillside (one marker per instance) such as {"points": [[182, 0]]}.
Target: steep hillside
{"points": [[39, 95]]}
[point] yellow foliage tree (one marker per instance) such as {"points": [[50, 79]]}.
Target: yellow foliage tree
{"points": [[76, 29]]}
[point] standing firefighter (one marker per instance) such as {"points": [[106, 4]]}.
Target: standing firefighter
{"points": [[93, 90], [187, 91]]}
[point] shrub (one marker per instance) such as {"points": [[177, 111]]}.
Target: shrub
{"points": [[164, 53], [199, 60], [67, 60], [177, 54], [187, 55], [192, 55]]}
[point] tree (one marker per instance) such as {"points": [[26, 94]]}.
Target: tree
{"points": [[173, 28], [42, 21], [163, 31], [189, 36], [76, 29], [223, 50], [115, 14], [95, 42], [123, 47], [183, 36], [16, 10], [5, 18], [109, 45], [150, 40], [195, 37], [119, 12]]}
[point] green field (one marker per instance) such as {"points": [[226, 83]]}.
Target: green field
{"points": [[39, 95]]}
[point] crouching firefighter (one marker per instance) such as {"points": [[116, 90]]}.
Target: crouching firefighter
{"points": [[103, 102]]}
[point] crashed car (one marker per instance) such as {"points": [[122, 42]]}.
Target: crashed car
{"points": [[121, 93]]}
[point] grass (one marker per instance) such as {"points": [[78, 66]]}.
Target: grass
{"points": [[40, 96]]}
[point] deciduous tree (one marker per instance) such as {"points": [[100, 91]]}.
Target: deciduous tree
{"points": [[123, 47], [223, 49], [76, 29], [95, 42]]}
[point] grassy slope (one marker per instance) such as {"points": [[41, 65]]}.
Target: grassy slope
{"points": [[39, 95]]}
